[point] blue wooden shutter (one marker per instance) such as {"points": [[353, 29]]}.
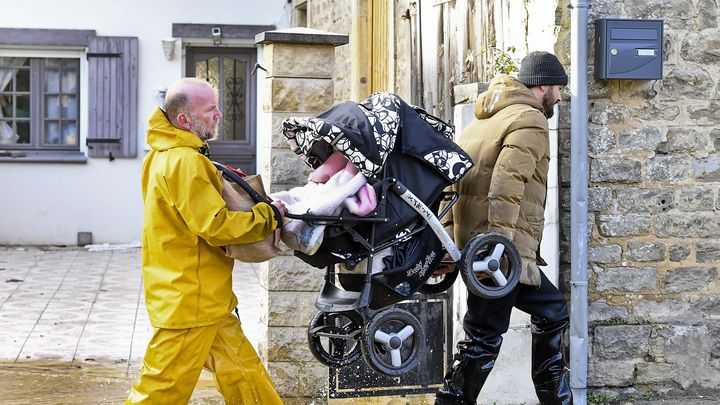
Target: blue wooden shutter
{"points": [[113, 115]]}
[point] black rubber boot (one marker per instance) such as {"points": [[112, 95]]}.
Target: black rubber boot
{"points": [[467, 376], [549, 373]]}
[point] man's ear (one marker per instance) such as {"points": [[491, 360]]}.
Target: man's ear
{"points": [[183, 121]]}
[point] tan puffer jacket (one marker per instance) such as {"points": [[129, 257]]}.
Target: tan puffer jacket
{"points": [[505, 191]]}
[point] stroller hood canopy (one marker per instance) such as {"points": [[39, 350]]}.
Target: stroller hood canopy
{"points": [[367, 132]]}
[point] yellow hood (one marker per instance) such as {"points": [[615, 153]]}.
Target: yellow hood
{"points": [[162, 135]]}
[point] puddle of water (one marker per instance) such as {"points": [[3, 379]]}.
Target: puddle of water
{"points": [[64, 383]]}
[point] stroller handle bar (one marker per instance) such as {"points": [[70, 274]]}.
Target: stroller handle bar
{"points": [[257, 198], [425, 212], [254, 195], [334, 219]]}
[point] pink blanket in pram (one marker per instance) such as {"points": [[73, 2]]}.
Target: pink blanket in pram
{"points": [[335, 185]]}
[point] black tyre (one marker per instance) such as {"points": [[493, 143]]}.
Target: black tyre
{"points": [[436, 285], [393, 342], [334, 338], [490, 265]]}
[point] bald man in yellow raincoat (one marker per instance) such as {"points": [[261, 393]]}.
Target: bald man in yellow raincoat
{"points": [[187, 277]]}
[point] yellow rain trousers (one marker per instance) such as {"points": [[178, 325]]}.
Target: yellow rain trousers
{"points": [[175, 357]]}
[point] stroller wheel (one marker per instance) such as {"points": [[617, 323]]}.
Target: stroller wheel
{"points": [[393, 342], [334, 338], [490, 265], [436, 285]]}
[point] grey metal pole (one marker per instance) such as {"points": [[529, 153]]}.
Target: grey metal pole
{"points": [[579, 201]]}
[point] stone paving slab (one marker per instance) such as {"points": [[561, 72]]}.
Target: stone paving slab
{"points": [[78, 306]]}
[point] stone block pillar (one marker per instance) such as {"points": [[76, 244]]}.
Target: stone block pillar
{"points": [[298, 82]]}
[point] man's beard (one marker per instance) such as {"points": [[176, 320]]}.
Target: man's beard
{"points": [[204, 132], [548, 105]]}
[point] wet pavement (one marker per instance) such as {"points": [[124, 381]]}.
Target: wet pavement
{"points": [[73, 328], [73, 324]]}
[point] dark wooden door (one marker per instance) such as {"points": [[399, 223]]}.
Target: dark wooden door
{"points": [[228, 70]]}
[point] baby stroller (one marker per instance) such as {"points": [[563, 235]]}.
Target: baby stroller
{"points": [[387, 256], [409, 158]]}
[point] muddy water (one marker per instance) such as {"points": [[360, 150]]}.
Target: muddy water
{"points": [[62, 383], [43, 382]]}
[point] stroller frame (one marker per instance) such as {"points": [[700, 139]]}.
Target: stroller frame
{"points": [[345, 315], [346, 318]]}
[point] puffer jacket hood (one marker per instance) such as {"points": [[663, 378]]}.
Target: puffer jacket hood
{"points": [[162, 135], [504, 91]]}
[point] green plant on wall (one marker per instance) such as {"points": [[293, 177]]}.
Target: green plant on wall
{"points": [[600, 399], [496, 60], [503, 62]]}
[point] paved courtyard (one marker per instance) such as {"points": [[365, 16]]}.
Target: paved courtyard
{"points": [[73, 328], [72, 308]]}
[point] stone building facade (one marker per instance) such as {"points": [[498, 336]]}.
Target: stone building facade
{"points": [[654, 247], [335, 16], [654, 237]]}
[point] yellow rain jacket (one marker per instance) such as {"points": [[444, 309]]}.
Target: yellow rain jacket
{"points": [[505, 191], [187, 277]]}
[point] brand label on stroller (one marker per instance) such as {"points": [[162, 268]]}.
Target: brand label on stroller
{"points": [[422, 267]]}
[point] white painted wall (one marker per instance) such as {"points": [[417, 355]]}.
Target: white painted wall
{"points": [[49, 203]]}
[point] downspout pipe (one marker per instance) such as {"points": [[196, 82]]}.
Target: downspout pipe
{"points": [[579, 169]]}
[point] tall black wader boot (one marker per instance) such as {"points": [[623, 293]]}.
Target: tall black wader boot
{"points": [[549, 373], [471, 368], [484, 324]]}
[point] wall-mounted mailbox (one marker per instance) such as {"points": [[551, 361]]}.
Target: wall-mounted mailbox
{"points": [[628, 49]]}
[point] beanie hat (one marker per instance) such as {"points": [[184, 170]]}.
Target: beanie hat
{"points": [[540, 68]]}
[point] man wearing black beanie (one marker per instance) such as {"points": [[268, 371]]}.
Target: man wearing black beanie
{"points": [[505, 192]]}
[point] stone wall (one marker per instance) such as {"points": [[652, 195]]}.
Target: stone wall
{"points": [[653, 209], [299, 82], [335, 16]]}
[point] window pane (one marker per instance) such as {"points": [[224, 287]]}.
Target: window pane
{"points": [[201, 69], [23, 130], [52, 107], [69, 81], [22, 80], [69, 107], [208, 70], [52, 132], [52, 63], [9, 86], [6, 106], [52, 80], [69, 133], [23, 106], [70, 64], [7, 133], [234, 99]]}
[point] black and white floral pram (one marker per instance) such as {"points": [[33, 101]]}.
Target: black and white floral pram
{"points": [[343, 129], [409, 158]]}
